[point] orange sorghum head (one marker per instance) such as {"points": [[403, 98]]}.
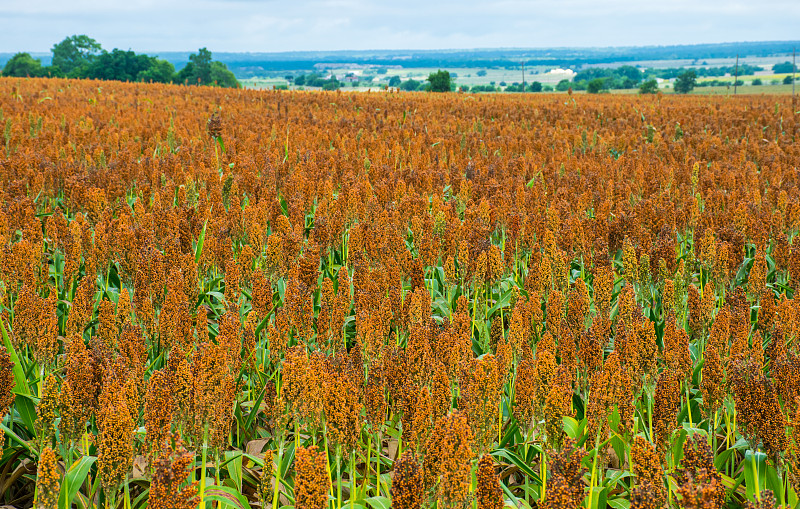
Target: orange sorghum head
{"points": [[311, 484], [48, 480], [488, 490], [407, 488]]}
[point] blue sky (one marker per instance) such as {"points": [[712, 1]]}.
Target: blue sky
{"points": [[255, 25]]}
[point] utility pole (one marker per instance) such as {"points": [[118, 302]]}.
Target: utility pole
{"points": [[794, 68], [523, 76], [736, 75]]}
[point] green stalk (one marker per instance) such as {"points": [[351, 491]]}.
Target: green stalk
{"points": [[594, 468], [339, 476], [369, 462], [127, 493], [543, 475], [277, 476], [203, 467], [378, 451], [755, 469], [327, 457], [352, 478], [688, 404]]}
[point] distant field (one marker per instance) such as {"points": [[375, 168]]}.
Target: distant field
{"points": [[497, 76]]}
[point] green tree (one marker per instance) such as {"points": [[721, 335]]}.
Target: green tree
{"points": [[649, 87], [118, 65], [395, 81], [787, 80], [757, 82], [562, 86], [221, 76], [160, 71], [481, 73], [201, 70], [785, 67], [440, 81], [595, 86], [22, 65], [202, 66], [74, 52], [410, 85], [536, 86], [685, 82]]}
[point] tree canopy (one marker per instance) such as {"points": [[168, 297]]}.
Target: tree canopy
{"points": [[22, 65], [685, 82], [80, 56], [74, 52], [440, 81]]}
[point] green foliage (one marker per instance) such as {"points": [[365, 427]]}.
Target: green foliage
{"points": [[757, 82], [596, 85], [536, 87], [410, 85], [75, 52], [563, 85], [787, 80], [624, 77], [395, 81], [685, 82], [483, 88], [22, 65], [201, 70], [118, 65], [440, 81], [160, 71], [481, 73], [785, 67], [649, 87]]}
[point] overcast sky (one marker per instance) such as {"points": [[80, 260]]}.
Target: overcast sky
{"points": [[271, 25]]}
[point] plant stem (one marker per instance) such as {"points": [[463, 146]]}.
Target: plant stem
{"points": [[755, 472], [352, 478], [378, 452], [339, 476], [201, 493], [543, 475], [277, 475]]}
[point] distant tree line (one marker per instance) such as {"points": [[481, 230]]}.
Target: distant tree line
{"points": [[705, 72], [784, 68], [80, 56]]}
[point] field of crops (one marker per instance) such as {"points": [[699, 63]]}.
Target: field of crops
{"points": [[233, 298]]}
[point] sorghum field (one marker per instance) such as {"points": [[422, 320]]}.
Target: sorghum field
{"points": [[231, 298]]}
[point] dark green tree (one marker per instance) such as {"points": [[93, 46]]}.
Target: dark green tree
{"points": [[440, 81], [74, 52], [202, 66], [536, 87], [395, 81], [649, 87], [118, 65], [563, 85], [757, 82], [685, 82], [160, 71], [221, 76], [22, 65], [595, 86], [201, 70], [785, 67], [410, 85]]}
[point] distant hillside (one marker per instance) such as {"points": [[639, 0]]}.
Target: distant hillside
{"points": [[246, 65]]}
